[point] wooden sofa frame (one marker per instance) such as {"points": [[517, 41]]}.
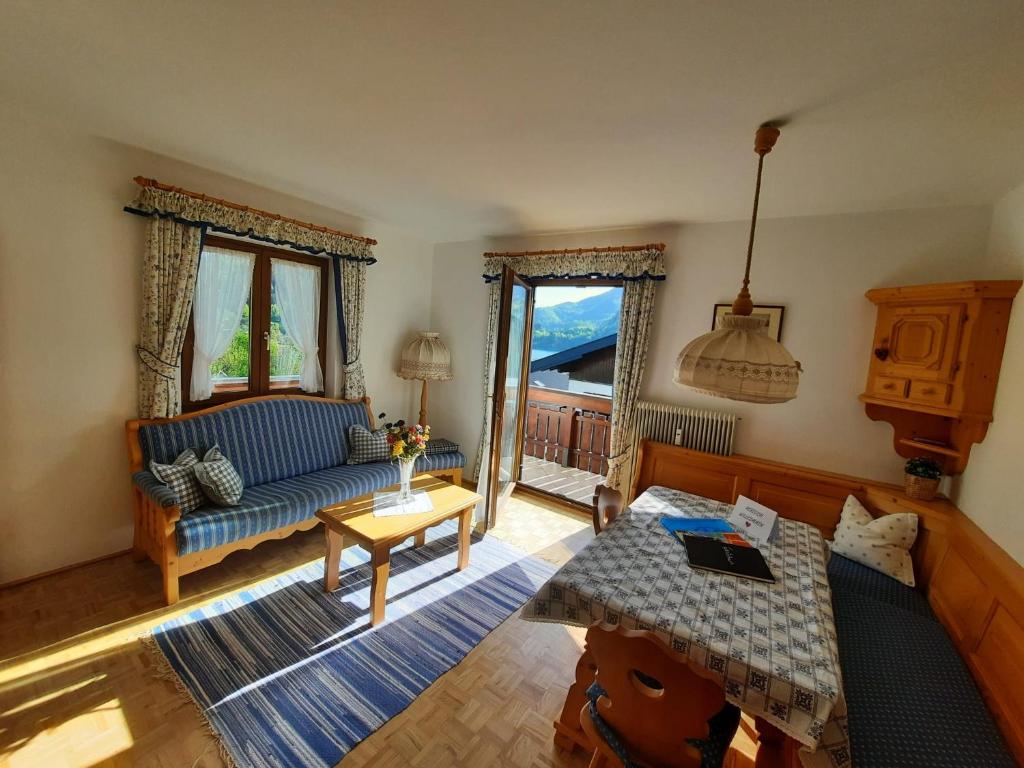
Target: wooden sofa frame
{"points": [[155, 535], [975, 588]]}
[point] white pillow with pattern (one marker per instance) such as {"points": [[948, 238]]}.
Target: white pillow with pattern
{"points": [[882, 543]]}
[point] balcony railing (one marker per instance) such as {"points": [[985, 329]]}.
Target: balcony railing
{"points": [[569, 429]]}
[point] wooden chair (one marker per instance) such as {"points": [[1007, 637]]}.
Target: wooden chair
{"points": [[651, 701], [607, 505]]}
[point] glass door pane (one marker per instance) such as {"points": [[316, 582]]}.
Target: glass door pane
{"points": [[509, 390], [567, 437]]}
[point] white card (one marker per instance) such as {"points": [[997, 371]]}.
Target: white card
{"points": [[386, 504], [753, 520]]}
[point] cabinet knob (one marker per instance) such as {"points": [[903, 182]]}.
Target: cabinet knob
{"points": [[890, 385], [881, 353], [928, 391]]}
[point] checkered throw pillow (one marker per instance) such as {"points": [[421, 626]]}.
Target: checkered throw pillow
{"points": [[218, 478], [440, 445], [180, 477], [365, 446]]}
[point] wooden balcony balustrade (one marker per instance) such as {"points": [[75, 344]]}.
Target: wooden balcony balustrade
{"points": [[569, 429]]}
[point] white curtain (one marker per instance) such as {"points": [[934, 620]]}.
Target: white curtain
{"points": [[225, 278], [298, 292]]}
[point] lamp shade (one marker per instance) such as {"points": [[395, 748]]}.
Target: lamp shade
{"points": [[426, 358], [739, 361]]}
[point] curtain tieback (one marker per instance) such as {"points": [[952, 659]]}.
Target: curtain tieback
{"points": [[154, 363], [618, 459]]}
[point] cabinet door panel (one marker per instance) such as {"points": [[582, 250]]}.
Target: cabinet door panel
{"points": [[920, 341]]}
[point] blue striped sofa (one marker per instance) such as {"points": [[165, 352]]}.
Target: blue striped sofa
{"points": [[290, 451]]}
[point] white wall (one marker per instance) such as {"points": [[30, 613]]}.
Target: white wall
{"points": [[819, 267], [989, 490], [69, 303]]}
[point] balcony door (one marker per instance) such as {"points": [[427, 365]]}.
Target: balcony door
{"points": [[510, 371], [568, 414]]}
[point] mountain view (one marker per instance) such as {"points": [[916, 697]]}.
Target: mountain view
{"points": [[570, 323]]}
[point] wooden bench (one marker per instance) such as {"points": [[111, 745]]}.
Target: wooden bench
{"points": [[973, 586]]}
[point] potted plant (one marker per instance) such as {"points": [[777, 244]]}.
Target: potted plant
{"points": [[921, 478]]}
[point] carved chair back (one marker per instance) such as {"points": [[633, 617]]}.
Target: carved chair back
{"points": [[654, 700]]}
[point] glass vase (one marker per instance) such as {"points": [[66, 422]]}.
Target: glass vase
{"points": [[405, 469]]}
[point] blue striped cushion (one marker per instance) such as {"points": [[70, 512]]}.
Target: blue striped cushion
{"points": [[440, 461], [265, 441], [285, 502], [274, 505]]}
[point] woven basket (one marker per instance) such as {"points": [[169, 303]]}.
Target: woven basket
{"points": [[920, 487]]}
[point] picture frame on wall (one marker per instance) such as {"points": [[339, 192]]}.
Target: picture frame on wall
{"points": [[774, 312]]}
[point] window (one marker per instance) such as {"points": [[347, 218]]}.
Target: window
{"points": [[259, 324]]}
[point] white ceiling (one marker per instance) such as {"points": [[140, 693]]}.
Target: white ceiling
{"points": [[464, 118]]}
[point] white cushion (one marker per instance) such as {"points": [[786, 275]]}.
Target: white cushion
{"points": [[881, 543]]}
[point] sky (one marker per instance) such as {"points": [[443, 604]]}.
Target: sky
{"points": [[549, 295]]}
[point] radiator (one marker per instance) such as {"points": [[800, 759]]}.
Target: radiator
{"points": [[695, 428]]}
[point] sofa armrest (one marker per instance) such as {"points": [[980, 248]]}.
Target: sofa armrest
{"points": [[158, 492]]}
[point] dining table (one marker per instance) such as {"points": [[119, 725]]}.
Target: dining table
{"points": [[772, 646]]}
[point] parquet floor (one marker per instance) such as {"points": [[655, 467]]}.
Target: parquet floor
{"points": [[76, 687]]}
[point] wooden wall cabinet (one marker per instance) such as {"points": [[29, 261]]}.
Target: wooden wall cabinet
{"points": [[935, 363]]}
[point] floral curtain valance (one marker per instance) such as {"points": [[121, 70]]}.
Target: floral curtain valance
{"points": [[644, 262], [245, 222]]}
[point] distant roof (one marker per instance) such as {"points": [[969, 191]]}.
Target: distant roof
{"points": [[572, 354]]}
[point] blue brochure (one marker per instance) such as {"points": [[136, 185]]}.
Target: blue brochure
{"points": [[696, 525]]}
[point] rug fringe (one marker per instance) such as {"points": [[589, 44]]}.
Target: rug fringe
{"points": [[163, 670]]}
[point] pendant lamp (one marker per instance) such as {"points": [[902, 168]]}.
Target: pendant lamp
{"points": [[739, 360]]}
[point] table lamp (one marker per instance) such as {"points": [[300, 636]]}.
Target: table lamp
{"points": [[426, 358]]}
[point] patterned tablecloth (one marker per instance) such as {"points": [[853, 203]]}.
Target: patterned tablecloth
{"points": [[774, 645]]}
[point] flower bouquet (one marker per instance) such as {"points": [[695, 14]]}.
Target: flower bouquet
{"points": [[407, 442]]}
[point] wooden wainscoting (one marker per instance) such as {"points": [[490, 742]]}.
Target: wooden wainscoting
{"points": [[974, 586]]}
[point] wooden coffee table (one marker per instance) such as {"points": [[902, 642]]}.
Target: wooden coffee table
{"points": [[354, 519]]}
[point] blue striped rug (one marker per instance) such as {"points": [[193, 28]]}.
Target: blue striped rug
{"points": [[288, 675]]}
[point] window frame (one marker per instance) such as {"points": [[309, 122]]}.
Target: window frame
{"points": [[259, 324]]}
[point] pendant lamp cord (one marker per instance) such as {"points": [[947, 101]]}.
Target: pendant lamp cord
{"points": [[764, 140], [753, 219]]}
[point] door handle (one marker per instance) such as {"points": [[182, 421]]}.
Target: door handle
{"points": [[881, 353], [266, 338]]}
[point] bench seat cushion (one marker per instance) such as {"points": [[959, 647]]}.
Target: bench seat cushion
{"points": [[911, 700], [266, 507], [847, 577]]}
